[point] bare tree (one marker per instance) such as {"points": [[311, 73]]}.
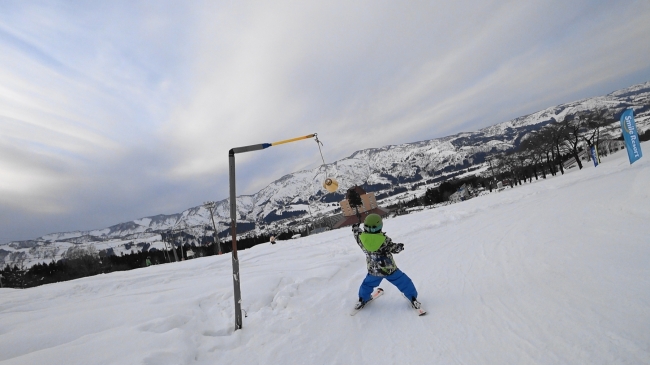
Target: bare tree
{"points": [[83, 260], [573, 128], [554, 135], [504, 166], [546, 145], [492, 162], [211, 207], [533, 149], [594, 123]]}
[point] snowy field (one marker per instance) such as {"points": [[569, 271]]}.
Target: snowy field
{"points": [[553, 272]]}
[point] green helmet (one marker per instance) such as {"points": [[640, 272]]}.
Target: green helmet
{"points": [[372, 223]]}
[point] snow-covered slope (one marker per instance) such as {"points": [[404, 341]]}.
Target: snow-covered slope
{"points": [[380, 169], [554, 272]]}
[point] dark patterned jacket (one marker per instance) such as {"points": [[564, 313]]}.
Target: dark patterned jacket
{"points": [[379, 250]]}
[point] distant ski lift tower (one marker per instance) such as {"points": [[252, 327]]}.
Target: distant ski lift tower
{"points": [[211, 206], [233, 215]]}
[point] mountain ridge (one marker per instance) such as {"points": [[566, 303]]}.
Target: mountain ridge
{"points": [[380, 168]]}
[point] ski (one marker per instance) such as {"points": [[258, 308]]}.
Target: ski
{"points": [[417, 306], [420, 311], [379, 292]]}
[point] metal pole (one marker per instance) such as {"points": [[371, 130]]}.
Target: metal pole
{"points": [[183, 256], [166, 252], [211, 206], [233, 232], [310, 216], [173, 244], [233, 217]]}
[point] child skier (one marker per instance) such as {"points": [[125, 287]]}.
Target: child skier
{"points": [[379, 249]]}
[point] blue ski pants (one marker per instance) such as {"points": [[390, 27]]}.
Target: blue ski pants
{"points": [[398, 278]]}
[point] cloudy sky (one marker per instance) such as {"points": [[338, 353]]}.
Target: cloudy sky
{"points": [[116, 110]]}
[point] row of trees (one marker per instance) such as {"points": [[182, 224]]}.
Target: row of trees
{"points": [[544, 151], [441, 193], [540, 153], [81, 261]]}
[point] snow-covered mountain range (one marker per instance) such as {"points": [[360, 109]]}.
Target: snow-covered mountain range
{"points": [[380, 170]]}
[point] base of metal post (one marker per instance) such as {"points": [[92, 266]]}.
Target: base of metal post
{"points": [[236, 284]]}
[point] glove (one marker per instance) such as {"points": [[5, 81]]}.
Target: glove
{"points": [[399, 247], [355, 228]]}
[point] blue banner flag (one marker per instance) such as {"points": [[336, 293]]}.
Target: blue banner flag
{"points": [[594, 155], [631, 136]]}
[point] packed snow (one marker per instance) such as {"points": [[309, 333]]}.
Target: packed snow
{"points": [[553, 272]]}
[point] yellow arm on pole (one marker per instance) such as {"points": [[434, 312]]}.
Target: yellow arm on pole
{"points": [[292, 140]]}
